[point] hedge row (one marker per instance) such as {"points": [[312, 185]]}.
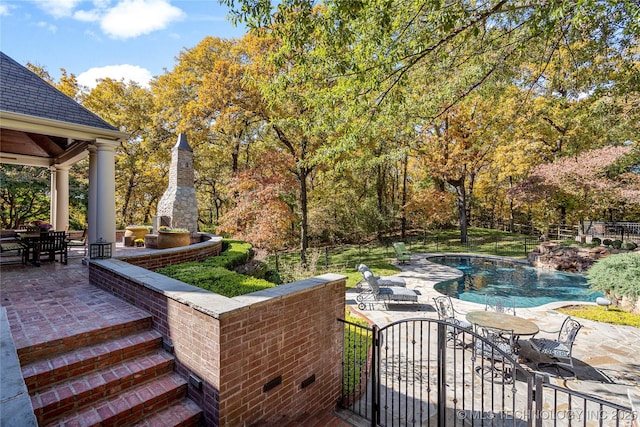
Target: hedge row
{"points": [[215, 273]]}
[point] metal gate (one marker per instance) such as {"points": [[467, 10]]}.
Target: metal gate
{"points": [[424, 372]]}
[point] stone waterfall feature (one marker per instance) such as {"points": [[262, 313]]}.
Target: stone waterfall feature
{"points": [[179, 200]]}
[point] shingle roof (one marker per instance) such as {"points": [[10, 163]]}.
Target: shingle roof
{"points": [[24, 92]]}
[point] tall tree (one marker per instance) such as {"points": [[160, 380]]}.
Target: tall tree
{"points": [[591, 182]]}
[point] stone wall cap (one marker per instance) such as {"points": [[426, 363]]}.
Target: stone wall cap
{"points": [[206, 301]]}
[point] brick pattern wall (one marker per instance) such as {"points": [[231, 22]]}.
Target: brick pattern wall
{"points": [[155, 259], [237, 345], [293, 338], [192, 334]]}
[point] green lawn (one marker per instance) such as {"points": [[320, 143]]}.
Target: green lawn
{"points": [[379, 256], [601, 314]]}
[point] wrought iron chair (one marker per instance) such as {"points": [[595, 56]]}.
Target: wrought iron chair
{"points": [[376, 293], [500, 304], [382, 280], [559, 349], [497, 351], [447, 313]]}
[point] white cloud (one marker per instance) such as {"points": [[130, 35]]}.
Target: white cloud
{"points": [[49, 27], [132, 18], [4, 10], [58, 8], [116, 72], [87, 15]]}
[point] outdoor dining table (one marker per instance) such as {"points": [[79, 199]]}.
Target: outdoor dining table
{"points": [[515, 325], [31, 241]]}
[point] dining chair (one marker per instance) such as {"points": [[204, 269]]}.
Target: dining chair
{"points": [[446, 312], [498, 353], [500, 304], [558, 349]]}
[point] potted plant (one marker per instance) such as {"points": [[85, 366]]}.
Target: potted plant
{"points": [[136, 231], [139, 243], [173, 237]]}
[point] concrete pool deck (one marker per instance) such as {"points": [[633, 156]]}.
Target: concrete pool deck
{"points": [[606, 357]]}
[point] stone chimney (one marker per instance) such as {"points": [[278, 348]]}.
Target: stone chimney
{"points": [[179, 200]]}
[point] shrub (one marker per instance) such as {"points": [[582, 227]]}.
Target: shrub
{"points": [[629, 246], [616, 274], [214, 273], [617, 244], [234, 254], [273, 276], [606, 242], [217, 279], [596, 241]]}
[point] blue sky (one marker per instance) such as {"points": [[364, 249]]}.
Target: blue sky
{"points": [[130, 39]]}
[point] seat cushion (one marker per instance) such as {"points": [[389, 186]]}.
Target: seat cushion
{"points": [[11, 246], [460, 323], [391, 281], [488, 349], [398, 294], [549, 347]]}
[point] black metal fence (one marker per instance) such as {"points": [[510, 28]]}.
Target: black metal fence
{"points": [[411, 373], [337, 257]]}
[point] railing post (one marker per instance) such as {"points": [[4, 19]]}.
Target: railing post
{"points": [[326, 257], [375, 381], [538, 397], [442, 372]]}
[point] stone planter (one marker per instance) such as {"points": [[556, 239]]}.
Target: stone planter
{"points": [[172, 239], [136, 231]]}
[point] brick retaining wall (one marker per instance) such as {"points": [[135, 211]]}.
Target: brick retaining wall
{"points": [[236, 346], [156, 258]]}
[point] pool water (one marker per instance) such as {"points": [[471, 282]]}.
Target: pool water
{"points": [[528, 286]]}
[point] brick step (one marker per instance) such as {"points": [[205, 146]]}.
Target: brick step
{"points": [[58, 346], [184, 413], [46, 372], [128, 407], [75, 393]]}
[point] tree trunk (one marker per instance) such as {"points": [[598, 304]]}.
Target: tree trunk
{"points": [[462, 209], [511, 218], [403, 217], [304, 220], [380, 186]]}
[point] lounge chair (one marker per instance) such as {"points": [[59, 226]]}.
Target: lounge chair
{"points": [[402, 253], [447, 313], [560, 348], [382, 280], [9, 245], [383, 294], [78, 242]]}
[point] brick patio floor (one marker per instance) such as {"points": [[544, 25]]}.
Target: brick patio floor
{"points": [[47, 304]]}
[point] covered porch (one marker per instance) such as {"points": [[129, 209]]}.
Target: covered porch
{"points": [[42, 127]]}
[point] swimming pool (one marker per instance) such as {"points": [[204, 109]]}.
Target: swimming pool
{"points": [[529, 287]]}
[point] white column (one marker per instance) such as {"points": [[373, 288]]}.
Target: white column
{"points": [[52, 201], [92, 207], [61, 218], [106, 191]]}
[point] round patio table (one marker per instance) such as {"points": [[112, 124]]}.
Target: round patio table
{"points": [[507, 322]]}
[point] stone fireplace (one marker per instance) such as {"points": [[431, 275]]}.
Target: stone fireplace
{"points": [[179, 200]]}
